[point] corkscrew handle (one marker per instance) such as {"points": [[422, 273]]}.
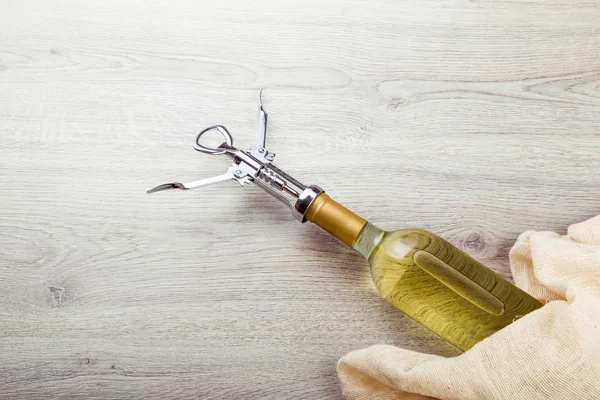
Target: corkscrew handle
{"points": [[252, 166]]}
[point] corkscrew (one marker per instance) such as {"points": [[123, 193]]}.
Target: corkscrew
{"points": [[254, 165]]}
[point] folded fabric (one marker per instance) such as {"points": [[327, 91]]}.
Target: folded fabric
{"points": [[551, 353]]}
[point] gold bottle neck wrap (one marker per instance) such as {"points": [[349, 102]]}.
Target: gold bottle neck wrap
{"points": [[335, 219]]}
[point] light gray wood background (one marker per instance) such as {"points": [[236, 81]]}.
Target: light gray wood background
{"points": [[475, 119]]}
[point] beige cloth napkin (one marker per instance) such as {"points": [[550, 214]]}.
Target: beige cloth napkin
{"points": [[552, 353]]}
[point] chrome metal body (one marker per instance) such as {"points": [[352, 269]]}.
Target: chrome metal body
{"points": [[254, 165]]}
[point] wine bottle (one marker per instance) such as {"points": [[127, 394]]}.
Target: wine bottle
{"points": [[427, 278]]}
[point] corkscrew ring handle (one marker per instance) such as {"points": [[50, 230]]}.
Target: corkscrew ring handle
{"points": [[223, 131]]}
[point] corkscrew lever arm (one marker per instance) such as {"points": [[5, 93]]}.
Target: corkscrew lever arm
{"points": [[235, 172], [246, 165], [196, 184], [262, 123]]}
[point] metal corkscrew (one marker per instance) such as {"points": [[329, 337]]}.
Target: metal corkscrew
{"points": [[253, 165]]}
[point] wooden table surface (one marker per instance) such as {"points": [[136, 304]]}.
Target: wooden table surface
{"points": [[477, 120]]}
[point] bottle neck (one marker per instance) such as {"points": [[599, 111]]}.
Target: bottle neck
{"points": [[368, 240], [353, 230]]}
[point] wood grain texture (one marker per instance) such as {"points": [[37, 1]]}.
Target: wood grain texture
{"points": [[474, 119]]}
